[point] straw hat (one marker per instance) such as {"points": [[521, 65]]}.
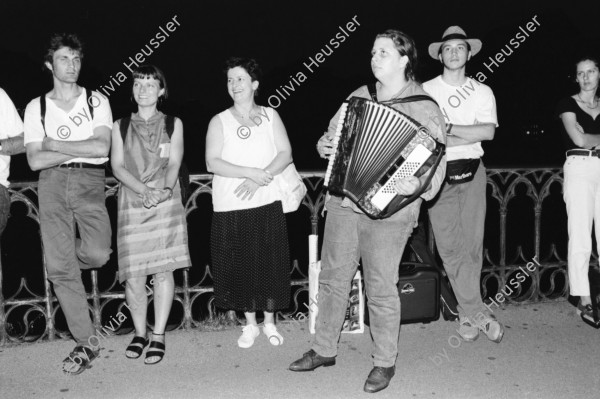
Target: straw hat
{"points": [[454, 32]]}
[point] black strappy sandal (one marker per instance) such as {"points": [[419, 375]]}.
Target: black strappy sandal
{"points": [[137, 346], [156, 349], [79, 360]]}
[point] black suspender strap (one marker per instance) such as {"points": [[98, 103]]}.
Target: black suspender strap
{"points": [[88, 99], [43, 111]]}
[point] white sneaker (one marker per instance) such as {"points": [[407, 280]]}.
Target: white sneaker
{"points": [[492, 328], [271, 332], [249, 334], [467, 330]]}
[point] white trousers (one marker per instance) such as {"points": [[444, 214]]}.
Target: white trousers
{"points": [[581, 192]]}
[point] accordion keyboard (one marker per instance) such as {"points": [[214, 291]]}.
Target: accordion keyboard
{"points": [[409, 167]]}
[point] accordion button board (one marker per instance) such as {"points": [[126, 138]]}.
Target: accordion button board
{"points": [[413, 163]]}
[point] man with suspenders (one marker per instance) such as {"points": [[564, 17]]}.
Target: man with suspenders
{"points": [[69, 146]]}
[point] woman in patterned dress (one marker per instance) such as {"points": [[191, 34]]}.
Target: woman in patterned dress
{"points": [[152, 231]]}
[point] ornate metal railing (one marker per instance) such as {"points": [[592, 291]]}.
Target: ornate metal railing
{"points": [[526, 222]]}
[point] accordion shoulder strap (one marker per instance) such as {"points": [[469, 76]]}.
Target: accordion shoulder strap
{"points": [[418, 97], [372, 91], [409, 99]]}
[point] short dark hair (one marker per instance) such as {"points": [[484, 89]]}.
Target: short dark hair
{"points": [[148, 71], [587, 57], [406, 47], [60, 40], [249, 64]]}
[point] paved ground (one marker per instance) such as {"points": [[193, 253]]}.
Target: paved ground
{"points": [[547, 352]]}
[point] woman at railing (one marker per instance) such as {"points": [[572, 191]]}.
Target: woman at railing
{"points": [[147, 149], [246, 145], [579, 115]]}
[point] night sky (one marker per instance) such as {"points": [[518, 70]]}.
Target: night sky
{"points": [[283, 36]]}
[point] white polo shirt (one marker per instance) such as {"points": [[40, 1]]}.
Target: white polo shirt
{"points": [[11, 125], [75, 125]]}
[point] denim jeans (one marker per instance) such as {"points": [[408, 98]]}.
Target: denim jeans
{"points": [[350, 236], [458, 219], [581, 193], [70, 199]]}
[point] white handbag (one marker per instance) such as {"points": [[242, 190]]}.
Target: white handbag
{"points": [[291, 188]]}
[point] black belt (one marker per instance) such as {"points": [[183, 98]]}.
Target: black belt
{"points": [[81, 165], [584, 153]]}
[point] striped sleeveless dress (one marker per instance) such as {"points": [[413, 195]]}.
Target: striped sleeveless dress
{"points": [[150, 240]]}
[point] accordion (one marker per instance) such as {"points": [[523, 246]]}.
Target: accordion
{"points": [[375, 146]]}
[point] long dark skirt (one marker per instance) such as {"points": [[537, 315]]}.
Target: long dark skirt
{"points": [[250, 259]]}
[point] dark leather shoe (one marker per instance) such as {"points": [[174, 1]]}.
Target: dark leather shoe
{"points": [[379, 378], [310, 361]]}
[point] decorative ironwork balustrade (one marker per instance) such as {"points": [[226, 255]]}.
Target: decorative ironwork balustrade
{"points": [[525, 252]]}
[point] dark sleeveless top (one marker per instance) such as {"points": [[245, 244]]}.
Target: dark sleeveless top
{"points": [[589, 124]]}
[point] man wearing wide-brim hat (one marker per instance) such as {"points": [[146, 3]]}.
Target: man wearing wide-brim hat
{"points": [[458, 213]]}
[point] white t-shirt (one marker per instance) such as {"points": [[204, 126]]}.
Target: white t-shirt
{"points": [[469, 104], [74, 125], [11, 125], [245, 146]]}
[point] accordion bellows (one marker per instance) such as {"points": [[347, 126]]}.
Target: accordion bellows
{"points": [[377, 145]]}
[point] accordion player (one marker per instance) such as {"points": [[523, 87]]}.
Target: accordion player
{"points": [[376, 145]]}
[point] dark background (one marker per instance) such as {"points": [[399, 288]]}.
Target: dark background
{"points": [[282, 35]]}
